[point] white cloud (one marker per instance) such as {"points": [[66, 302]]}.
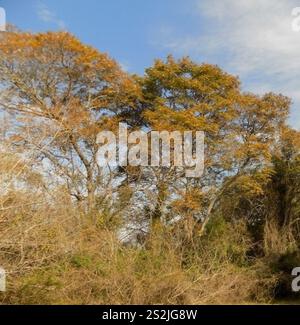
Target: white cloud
{"points": [[253, 39], [47, 16]]}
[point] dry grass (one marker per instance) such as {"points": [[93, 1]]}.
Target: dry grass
{"points": [[55, 254]]}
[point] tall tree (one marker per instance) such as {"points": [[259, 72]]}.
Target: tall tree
{"points": [[61, 94], [240, 128]]}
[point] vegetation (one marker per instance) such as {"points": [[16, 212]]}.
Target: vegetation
{"points": [[73, 232]]}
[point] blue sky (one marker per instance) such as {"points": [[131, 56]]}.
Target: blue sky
{"points": [[252, 39]]}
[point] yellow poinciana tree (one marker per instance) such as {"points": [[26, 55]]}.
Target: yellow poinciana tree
{"points": [[240, 128], [61, 93]]}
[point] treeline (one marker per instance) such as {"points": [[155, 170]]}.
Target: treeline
{"points": [[73, 232]]}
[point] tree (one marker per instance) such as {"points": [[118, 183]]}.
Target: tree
{"points": [[240, 128], [61, 94], [284, 188]]}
